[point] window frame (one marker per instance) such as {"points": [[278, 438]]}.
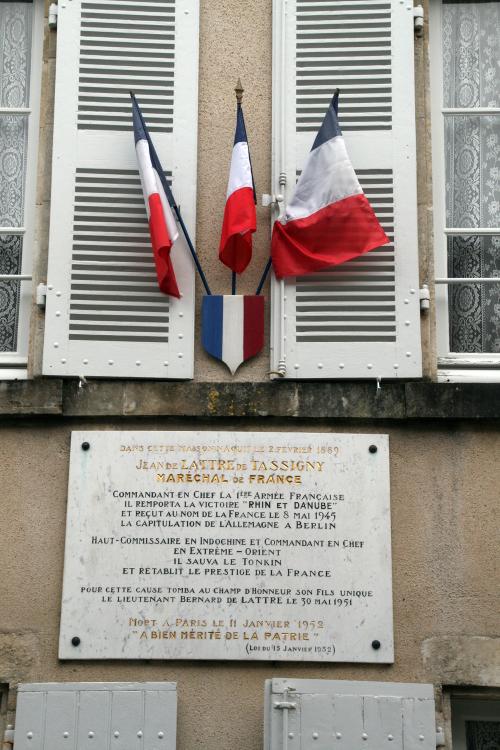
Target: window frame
{"points": [[452, 366], [13, 365], [470, 708]]}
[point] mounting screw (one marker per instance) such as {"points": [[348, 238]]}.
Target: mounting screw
{"points": [[75, 641], [376, 645], [85, 446], [373, 449]]}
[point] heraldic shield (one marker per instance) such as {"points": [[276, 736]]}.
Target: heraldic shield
{"points": [[232, 327]]}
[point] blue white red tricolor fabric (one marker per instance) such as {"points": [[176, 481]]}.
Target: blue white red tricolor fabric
{"points": [[232, 327], [240, 221], [329, 219], [162, 226]]}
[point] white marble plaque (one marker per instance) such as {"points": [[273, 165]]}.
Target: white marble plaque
{"points": [[224, 545]]}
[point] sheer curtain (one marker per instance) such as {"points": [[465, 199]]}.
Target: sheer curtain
{"points": [[471, 78], [15, 46]]}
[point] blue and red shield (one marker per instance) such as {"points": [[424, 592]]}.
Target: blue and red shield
{"points": [[232, 327]]}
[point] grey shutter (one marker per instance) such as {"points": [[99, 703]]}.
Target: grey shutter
{"points": [[324, 714], [360, 319], [92, 715], [105, 314]]}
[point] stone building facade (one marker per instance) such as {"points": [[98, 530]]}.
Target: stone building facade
{"points": [[442, 423]]}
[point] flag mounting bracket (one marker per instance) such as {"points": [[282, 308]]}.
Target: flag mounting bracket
{"points": [[271, 200]]}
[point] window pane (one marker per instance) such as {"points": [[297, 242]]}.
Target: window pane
{"points": [[472, 171], [15, 57], [482, 735], [10, 262], [13, 142], [471, 49], [474, 309], [15, 62]]}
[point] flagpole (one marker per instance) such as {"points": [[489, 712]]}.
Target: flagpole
{"points": [[264, 276], [171, 199]]}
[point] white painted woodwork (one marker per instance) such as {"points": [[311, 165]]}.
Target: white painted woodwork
{"points": [[90, 715], [360, 319], [349, 715], [105, 314]]}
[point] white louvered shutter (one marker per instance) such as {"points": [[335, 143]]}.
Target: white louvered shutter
{"points": [[105, 314], [300, 714], [88, 715], [361, 319]]}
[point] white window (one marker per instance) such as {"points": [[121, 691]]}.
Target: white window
{"points": [[465, 82], [21, 28]]}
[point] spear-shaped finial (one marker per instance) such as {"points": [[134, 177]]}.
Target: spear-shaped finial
{"points": [[238, 90]]}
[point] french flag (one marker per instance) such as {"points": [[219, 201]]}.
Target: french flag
{"points": [[240, 221], [329, 219], [162, 226]]}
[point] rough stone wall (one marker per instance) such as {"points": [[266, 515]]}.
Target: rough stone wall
{"points": [[444, 495]]}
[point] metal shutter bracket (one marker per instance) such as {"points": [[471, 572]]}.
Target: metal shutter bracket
{"points": [[418, 20], [8, 738], [52, 20], [425, 298]]}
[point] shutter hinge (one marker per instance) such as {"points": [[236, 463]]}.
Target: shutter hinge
{"points": [[418, 20], [53, 11], [8, 738], [425, 298], [440, 737], [41, 295], [285, 705]]}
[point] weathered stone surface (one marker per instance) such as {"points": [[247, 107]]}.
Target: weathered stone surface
{"points": [[464, 660], [321, 400], [30, 397], [273, 399], [324, 400], [462, 401], [316, 400], [18, 656]]}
